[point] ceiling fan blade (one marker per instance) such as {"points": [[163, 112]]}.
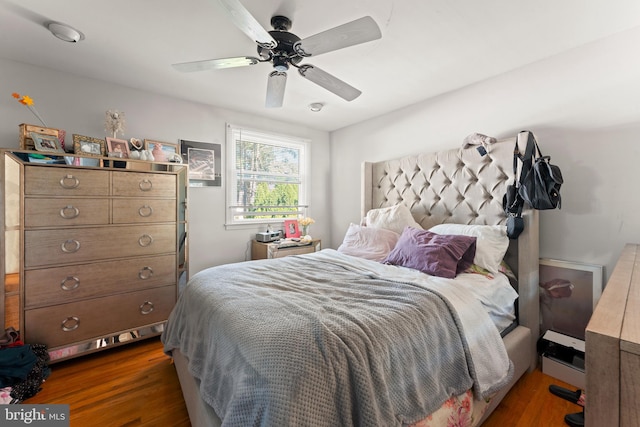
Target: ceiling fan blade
{"points": [[215, 64], [247, 23], [329, 82], [355, 32], [275, 89]]}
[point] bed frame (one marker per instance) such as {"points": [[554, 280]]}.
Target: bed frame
{"points": [[453, 186]]}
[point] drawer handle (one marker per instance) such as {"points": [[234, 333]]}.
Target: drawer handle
{"points": [[70, 283], [70, 246], [70, 324], [145, 240], [145, 273], [69, 212], [145, 185], [69, 182], [145, 211], [146, 307]]}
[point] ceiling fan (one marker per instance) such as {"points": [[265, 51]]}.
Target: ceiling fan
{"points": [[284, 49]]}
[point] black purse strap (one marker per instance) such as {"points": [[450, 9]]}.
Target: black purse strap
{"points": [[527, 162]]}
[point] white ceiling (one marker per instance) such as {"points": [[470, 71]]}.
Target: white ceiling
{"points": [[428, 47]]}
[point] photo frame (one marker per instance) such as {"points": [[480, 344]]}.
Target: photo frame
{"points": [[569, 292], [88, 146], [291, 228], [205, 163], [117, 146], [47, 143], [162, 151]]}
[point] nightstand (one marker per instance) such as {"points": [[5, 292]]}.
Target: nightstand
{"points": [[261, 250]]}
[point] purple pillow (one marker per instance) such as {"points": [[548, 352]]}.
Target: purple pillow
{"points": [[443, 255]]}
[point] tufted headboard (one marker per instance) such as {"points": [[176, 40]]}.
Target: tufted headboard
{"points": [[461, 186]]}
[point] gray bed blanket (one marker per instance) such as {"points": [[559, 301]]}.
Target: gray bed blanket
{"points": [[326, 340]]}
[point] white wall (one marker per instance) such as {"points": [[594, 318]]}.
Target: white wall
{"points": [[584, 108], [77, 105]]}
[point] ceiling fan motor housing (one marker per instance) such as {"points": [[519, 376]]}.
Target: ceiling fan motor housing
{"points": [[283, 54]]}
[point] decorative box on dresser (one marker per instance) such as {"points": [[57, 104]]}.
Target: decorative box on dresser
{"points": [[92, 256]]}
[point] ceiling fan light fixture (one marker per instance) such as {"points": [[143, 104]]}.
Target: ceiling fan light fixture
{"points": [[316, 107], [65, 32], [280, 64]]}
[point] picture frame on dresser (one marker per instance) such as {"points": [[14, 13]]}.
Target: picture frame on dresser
{"points": [[162, 151], [291, 228], [569, 293], [46, 143], [88, 146], [115, 145]]}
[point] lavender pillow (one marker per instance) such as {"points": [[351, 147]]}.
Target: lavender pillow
{"points": [[440, 255]]}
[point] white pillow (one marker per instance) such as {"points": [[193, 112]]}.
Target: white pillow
{"points": [[368, 242], [394, 218], [491, 242]]}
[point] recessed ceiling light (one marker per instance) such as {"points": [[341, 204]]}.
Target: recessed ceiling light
{"points": [[65, 32], [316, 106]]}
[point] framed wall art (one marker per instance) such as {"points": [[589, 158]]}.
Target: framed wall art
{"points": [[162, 151], [205, 163], [118, 148], [88, 146], [569, 292]]}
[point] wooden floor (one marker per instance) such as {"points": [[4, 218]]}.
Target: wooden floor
{"points": [[136, 385]]}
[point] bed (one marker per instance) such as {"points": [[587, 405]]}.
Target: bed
{"points": [[323, 344]]}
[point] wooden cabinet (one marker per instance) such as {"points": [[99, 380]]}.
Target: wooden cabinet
{"points": [[261, 250], [612, 344], [91, 256]]}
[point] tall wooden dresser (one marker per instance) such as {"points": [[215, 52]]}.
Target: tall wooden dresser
{"points": [[92, 256], [612, 344]]}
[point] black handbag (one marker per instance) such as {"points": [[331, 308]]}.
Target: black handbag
{"points": [[541, 184], [515, 226]]}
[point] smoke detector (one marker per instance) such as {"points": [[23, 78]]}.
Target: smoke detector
{"points": [[65, 32]]}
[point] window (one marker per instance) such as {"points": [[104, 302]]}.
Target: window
{"points": [[267, 176]]}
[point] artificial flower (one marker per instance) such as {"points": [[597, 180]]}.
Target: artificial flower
{"points": [[114, 122], [305, 222], [28, 101]]}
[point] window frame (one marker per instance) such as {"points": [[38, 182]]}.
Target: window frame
{"points": [[264, 137]]}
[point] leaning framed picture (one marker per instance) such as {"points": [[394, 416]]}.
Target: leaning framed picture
{"points": [[291, 228], [569, 292], [88, 146], [205, 163], [118, 148], [44, 142], [162, 151]]}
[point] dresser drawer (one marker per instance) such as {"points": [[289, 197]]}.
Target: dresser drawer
{"points": [[65, 212], [78, 321], [59, 285], [49, 181], [128, 211], [75, 245], [135, 184]]}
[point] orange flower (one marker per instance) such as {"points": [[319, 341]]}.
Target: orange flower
{"points": [[28, 101]]}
